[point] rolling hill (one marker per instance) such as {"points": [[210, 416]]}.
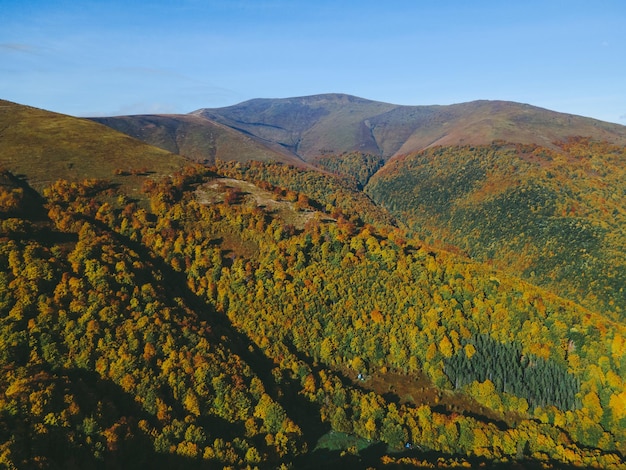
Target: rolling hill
{"points": [[303, 128], [44, 146]]}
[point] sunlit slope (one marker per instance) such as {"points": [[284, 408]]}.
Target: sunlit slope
{"points": [[44, 146], [484, 121], [555, 218]]}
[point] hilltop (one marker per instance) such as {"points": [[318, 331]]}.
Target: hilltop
{"points": [[43, 147]]}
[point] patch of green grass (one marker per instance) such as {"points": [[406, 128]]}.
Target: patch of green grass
{"points": [[334, 440]]}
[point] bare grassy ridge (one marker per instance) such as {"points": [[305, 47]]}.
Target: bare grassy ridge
{"points": [[44, 147], [334, 123], [197, 138], [244, 192]]}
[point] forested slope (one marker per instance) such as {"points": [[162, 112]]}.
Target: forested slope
{"points": [[209, 329], [556, 218]]}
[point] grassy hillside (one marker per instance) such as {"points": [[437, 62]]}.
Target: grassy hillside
{"points": [[198, 139], [42, 147], [555, 218]]}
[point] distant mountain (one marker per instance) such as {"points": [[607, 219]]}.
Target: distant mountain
{"points": [[307, 126], [303, 128], [335, 123], [197, 138]]}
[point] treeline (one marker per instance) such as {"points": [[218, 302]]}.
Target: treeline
{"points": [[540, 381], [358, 165]]}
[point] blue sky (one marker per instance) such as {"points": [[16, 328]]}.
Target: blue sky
{"points": [[94, 58]]}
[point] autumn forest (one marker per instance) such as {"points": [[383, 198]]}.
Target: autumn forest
{"points": [[451, 307]]}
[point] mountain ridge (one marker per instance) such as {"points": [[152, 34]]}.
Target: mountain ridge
{"points": [[302, 128], [199, 139], [338, 123], [45, 146]]}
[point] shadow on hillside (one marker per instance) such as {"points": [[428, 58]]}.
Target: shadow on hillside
{"points": [[304, 413], [372, 457], [112, 431]]}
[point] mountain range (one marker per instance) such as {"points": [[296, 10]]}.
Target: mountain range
{"points": [[306, 127], [310, 282]]}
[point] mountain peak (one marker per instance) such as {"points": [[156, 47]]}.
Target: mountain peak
{"points": [[309, 100], [335, 122]]}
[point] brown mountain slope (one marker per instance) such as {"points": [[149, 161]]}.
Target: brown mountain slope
{"points": [[197, 138], [44, 146], [299, 129], [482, 122], [307, 126], [310, 126]]}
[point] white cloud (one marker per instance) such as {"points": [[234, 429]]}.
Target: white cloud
{"points": [[17, 47]]}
